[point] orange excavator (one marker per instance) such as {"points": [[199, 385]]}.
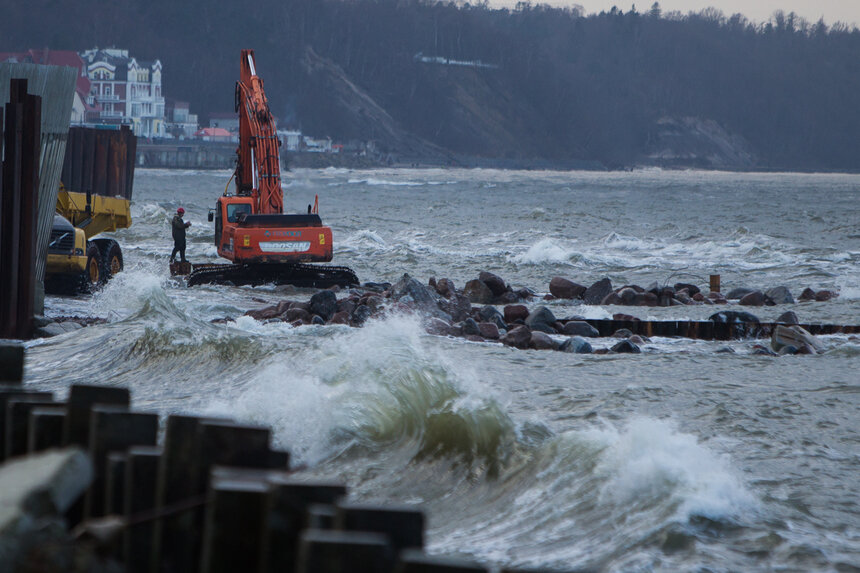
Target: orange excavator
{"points": [[265, 244]]}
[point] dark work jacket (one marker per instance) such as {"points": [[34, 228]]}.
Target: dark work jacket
{"points": [[178, 226]]}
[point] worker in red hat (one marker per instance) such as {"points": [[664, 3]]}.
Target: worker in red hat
{"points": [[178, 226]]}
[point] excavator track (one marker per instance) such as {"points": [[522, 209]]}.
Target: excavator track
{"points": [[296, 274]]}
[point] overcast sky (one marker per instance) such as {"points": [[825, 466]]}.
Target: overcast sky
{"points": [[847, 11]]}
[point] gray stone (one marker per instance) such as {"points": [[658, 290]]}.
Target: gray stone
{"points": [[317, 319], [46, 483], [580, 328], [297, 314], [518, 337], [361, 314], [734, 316], [611, 298], [754, 298], [779, 295], [49, 330], [628, 296], [478, 292], [622, 333], [807, 294], [691, 288], [788, 317], [563, 288], [324, 304], [576, 345], [411, 292], [445, 287], [738, 293], [541, 319], [457, 307], [794, 336], [489, 330], [625, 346], [491, 314], [515, 311], [495, 283], [437, 326], [542, 341], [598, 291], [470, 327]]}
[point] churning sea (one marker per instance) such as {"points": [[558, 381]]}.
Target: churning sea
{"points": [[681, 458]]}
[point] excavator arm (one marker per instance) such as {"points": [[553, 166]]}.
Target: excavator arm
{"points": [[258, 171]]}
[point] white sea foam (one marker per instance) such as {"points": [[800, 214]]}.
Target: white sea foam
{"points": [[544, 251], [650, 459]]}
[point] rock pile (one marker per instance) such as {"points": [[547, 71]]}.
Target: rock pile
{"points": [[678, 294]]}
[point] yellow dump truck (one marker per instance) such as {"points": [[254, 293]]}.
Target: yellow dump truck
{"points": [[76, 260], [94, 198]]}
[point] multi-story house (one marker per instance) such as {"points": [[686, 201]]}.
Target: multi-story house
{"points": [[125, 91]]}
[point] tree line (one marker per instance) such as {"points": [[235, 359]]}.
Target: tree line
{"points": [[563, 85]]}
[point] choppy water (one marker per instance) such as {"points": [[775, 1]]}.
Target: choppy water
{"points": [[680, 458]]}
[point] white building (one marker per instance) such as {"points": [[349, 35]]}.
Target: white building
{"points": [[125, 91]]}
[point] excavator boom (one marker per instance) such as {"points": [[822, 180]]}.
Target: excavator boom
{"points": [[251, 229]]}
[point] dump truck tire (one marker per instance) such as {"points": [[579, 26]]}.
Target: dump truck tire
{"points": [[92, 274], [111, 255]]}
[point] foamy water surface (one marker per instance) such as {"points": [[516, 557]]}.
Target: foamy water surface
{"points": [[680, 458]]}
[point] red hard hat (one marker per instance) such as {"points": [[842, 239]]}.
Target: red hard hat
{"points": [[180, 210]]}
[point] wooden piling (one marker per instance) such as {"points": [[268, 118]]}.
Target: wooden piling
{"points": [[9, 394], [18, 422], [236, 517], [339, 551], [413, 561], [404, 525], [114, 429], [11, 362], [141, 478], [46, 429]]}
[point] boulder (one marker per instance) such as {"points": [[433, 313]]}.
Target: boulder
{"points": [[495, 283], [445, 287], [647, 299], [690, 288], [361, 314], [564, 288], [763, 350], [807, 294], [611, 298], [625, 347], [637, 340], [318, 320], [542, 341], [519, 337], [734, 316], [788, 317], [418, 296], [55, 329], [324, 304], [35, 492], [303, 305], [541, 319], [490, 313], [437, 326], [683, 298], [579, 328], [346, 305], [576, 345], [779, 295], [470, 327], [260, 313], [478, 292], [628, 295], [340, 317], [738, 293], [794, 336], [301, 314], [754, 298], [507, 297], [598, 291], [622, 333], [489, 330], [825, 295], [524, 293], [457, 306], [513, 312]]}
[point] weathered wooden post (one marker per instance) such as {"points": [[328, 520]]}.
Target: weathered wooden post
{"points": [[9, 394], [339, 551], [114, 428], [412, 561], [18, 422], [11, 361], [46, 429], [715, 283], [403, 525], [290, 502], [141, 479], [236, 517]]}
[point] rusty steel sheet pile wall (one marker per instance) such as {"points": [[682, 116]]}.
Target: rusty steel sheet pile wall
{"points": [[56, 86], [19, 182], [100, 161]]}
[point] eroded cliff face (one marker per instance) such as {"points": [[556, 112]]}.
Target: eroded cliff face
{"points": [[696, 142]]}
